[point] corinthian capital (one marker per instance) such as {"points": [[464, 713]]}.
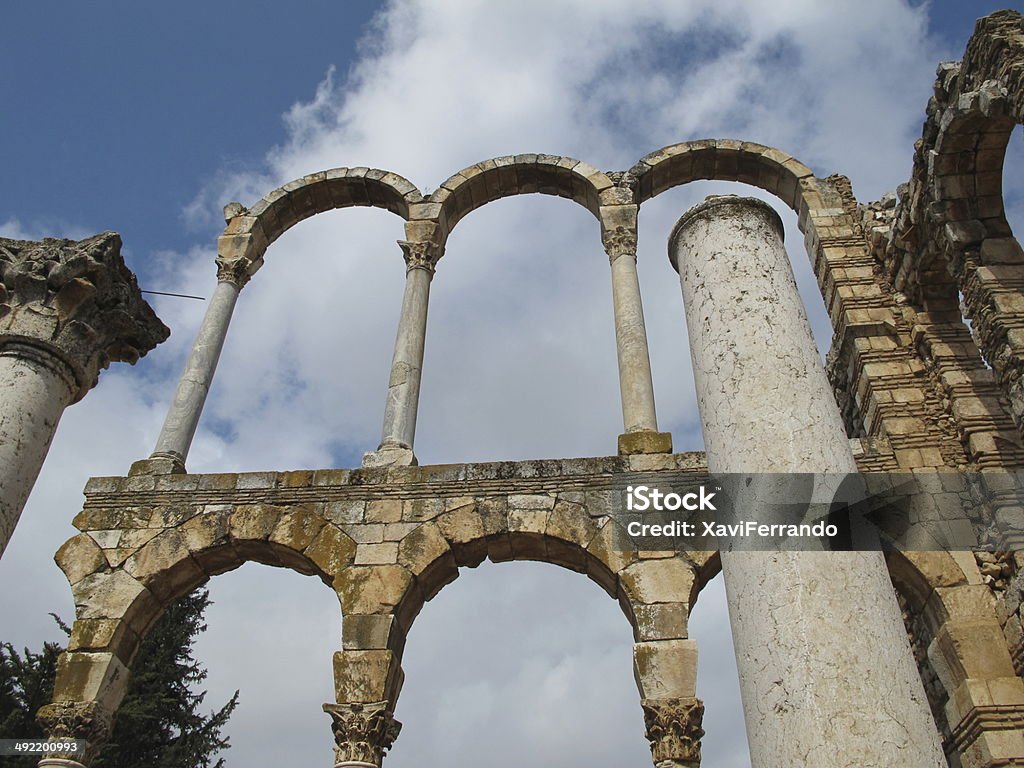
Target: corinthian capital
{"points": [[236, 271], [620, 241], [674, 730], [421, 255], [362, 732], [77, 300], [83, 721]]}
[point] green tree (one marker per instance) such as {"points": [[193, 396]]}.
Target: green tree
{"points": [[159, 724]]}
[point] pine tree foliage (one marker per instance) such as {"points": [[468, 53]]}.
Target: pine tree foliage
{"points": [[159, 723]]}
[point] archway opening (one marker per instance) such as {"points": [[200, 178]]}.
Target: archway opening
{"points": [[523, 663], [271, 635], [520, 352], [1013, 182], [303, 375]]}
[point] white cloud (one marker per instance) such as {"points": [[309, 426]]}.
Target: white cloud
{"points": [[520, 350]]}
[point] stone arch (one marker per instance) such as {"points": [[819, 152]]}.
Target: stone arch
{"points": [[490, 180], [123, 579], [950, 237], [381, 601], [769, 169], [250, 231], [957, 640]]}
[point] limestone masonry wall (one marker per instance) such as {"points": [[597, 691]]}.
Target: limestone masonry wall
{"points": [[916, 388]]}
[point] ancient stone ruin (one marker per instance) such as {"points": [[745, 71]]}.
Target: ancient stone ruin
{"points": [[926, 674]]}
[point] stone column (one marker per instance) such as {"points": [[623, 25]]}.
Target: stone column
{"points": [[84, 721], [640, 423], [362, 733], [67, 310], [182, 418], [826, 671], [396, 446]]}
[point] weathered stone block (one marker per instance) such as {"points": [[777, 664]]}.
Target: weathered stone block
{"points": [[297, 529], [645, 442], [78, 557], [658, 581], [660, 621], [366, 632], [331, 550], [364, 676], [666, 669], [384, 553], [422, 547], [253, 522]]}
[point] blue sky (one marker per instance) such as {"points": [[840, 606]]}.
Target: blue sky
{"points": [[147, 118], [118, 112]]}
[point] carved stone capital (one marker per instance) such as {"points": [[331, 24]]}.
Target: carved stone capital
{"points": [[674, 729], [362, 732], [235, 271], [620, 241], [76, 300], [421, 255], [80, 720]]}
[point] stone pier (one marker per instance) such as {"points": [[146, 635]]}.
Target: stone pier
{"points": [[67, 310], [826, 671]]}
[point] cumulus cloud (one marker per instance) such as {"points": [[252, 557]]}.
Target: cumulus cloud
{"points": [[516, 660]]}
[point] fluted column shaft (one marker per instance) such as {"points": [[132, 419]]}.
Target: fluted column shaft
{"points": [[826, 672]]}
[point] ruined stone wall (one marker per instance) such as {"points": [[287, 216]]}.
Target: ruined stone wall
{"points": [[912, 381]]}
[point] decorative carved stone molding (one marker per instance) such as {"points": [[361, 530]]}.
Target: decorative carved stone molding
{"points": [[362, 732], [421, 255], [77, 300], [673, 726], [620, 241], [81, 720], [986, 719], [235, 271]]}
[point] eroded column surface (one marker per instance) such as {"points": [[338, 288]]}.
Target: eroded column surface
{"points": [[67, 310], [396, 445], [826, 672], [640, 422], [182, 419]]}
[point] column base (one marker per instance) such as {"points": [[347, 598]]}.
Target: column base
{"points": [[158, 465], [58, 762], [390, 456], [645, 441]]}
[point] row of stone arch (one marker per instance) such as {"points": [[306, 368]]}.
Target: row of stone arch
{"points": [[123, 583], [250, 231]]}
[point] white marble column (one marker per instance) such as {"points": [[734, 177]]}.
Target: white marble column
{"points": [[67, 310], [35, 388], [399, 433], [182, 418], [826, 672]]}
